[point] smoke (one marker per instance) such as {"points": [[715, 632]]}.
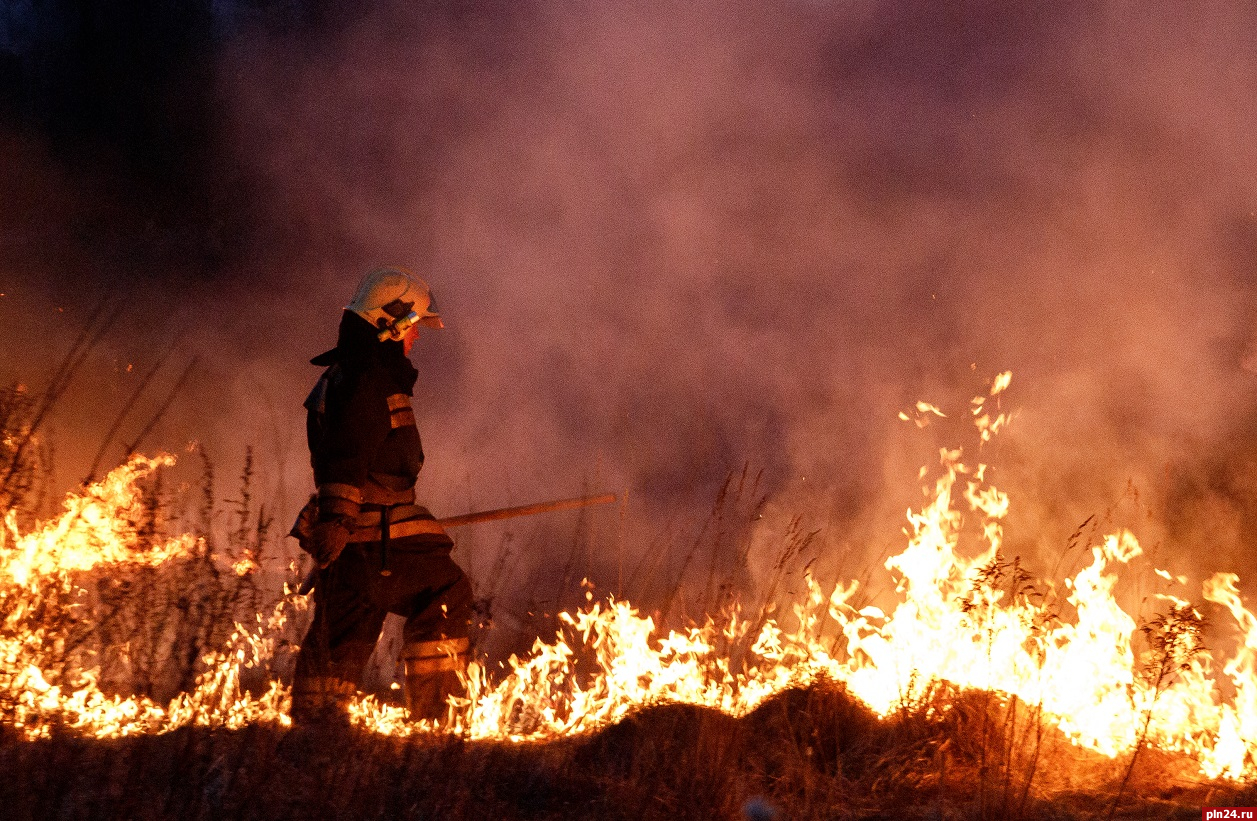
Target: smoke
{"points": [[674, 239]]}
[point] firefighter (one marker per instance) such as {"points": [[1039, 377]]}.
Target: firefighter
{"points": [[376, 550]]}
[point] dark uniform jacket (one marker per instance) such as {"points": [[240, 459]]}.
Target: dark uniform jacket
{"points": [[364, 445], [360, 426]]}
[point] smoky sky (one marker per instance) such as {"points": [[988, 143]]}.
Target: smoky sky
{"points": [[672, 240]]}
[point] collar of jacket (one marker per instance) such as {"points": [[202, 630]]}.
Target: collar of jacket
{"points": [[357, 344]]}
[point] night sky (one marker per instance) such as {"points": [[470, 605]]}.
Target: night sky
{"points": [[669, 240]]}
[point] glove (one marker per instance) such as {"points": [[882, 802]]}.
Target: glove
{"points": [[327, 541]]}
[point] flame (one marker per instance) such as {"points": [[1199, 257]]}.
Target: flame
{"points": [[962, 613], [923, 412], [42, 576], [96, 528]]}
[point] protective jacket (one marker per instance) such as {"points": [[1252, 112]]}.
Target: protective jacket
{"points": [[364, 446], [359, 425]]}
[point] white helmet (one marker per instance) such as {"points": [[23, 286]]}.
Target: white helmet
{"points": [[393, 300]]}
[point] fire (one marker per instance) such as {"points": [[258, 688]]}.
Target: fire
{"points": [[963, 614], [94, 530], [44, 593]]}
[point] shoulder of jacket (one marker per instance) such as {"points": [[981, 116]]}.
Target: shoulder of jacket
{"points": [[316, 401]]}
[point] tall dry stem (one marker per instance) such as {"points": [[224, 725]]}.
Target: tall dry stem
{"points": [[1174, 638]]}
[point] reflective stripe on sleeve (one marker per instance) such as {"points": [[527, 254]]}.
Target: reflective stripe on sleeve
{"points": [[337, 500], [400, 413]]}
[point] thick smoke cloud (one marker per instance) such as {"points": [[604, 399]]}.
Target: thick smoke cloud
{"points": [[673, 239]]}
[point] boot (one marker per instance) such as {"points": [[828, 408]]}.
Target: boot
{"points": [[321, 699], [432, 669]]}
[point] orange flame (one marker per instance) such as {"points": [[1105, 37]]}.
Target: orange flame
{"points": [[40, 575]]}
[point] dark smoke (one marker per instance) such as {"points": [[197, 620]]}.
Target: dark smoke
{"points": [[671, 239]]}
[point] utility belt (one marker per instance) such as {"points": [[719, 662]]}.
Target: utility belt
{"points": [[380, 490], [383, 514], [380, 523]]}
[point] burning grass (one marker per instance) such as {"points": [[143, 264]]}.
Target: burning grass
{"points": [[138, 660], [809, 753]]}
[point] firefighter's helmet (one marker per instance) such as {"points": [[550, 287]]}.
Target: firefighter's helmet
{"points": [[393, 300]]}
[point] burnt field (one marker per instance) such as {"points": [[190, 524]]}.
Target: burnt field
{"points": [[808, 753]]}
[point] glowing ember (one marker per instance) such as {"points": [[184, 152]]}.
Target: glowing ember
{"points": [[974, 621]]}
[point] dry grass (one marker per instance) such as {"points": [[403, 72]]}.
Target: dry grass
{"points": [[809, 753]]}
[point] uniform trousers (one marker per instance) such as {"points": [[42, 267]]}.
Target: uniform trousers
{"points": [[352, 599]]}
